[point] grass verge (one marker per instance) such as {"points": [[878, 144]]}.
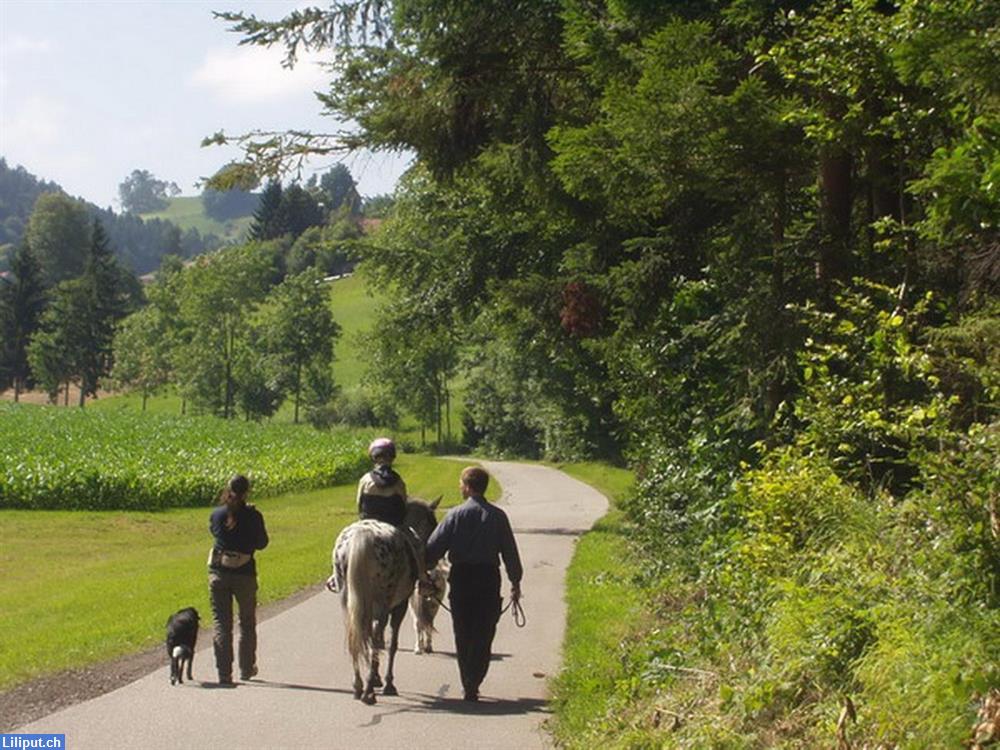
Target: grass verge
{"points": [[83, 587], [604, 605]]}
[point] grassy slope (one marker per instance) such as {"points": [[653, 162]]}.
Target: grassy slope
{"points": [[79, 588], [187, 212], [354, 310]]}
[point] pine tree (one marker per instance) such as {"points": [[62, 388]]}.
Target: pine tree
{"points": [[22, 300], [269, 219], [105, 307]]}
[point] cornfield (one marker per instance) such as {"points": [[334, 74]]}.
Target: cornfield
{"points": [[57, 458]]}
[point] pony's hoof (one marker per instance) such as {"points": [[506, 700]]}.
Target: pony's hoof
{"points": [[368, 700], [377, 682], [429, 650], [390, 690]]}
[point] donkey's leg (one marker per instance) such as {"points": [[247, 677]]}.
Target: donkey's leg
{"points": [[395, 622]]}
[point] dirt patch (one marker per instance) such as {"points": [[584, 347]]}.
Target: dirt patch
{"points": [[33, 700], [40, 397]]}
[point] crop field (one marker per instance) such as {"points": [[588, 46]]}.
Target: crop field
{"points": [[74, 459]]}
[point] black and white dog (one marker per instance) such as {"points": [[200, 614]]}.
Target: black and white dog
{"points": [[182, 635]]}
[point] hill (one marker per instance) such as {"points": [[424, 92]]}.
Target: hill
{"points": [[188, 212], [353, 308], [137, 242]]}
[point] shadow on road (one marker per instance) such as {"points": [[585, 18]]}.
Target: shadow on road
{"points": [[551, 531], [293, 686], [429, 704]]}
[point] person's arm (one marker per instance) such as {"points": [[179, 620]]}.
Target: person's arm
{"points": [[511, 559], [214, 526], [361, 486], [262, 538], [439, 542]]}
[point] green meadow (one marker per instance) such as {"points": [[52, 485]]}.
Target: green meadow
{"points": [[188, 212], [81, 587]]}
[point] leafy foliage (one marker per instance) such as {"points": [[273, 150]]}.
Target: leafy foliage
{"points": [[141, 192]]}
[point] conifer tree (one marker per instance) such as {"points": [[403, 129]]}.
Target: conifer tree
{"points": [[269, 220], [22, 300]]}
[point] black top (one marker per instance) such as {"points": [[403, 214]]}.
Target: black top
{"points": [[382, 496], [248, 535], [477, 533]]}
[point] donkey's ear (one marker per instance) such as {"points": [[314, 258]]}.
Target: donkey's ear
{"points": [[436, 503]]}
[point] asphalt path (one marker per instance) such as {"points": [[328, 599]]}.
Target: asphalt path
{"points": [[303, 696]]}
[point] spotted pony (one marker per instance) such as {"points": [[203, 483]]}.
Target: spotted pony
{"points": [[374, 569]]}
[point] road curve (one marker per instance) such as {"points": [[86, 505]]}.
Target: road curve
{"points": [[303, 698]]}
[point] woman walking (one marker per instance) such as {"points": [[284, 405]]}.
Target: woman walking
{"points": [[238, 531]]}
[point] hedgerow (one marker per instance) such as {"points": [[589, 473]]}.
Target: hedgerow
{"points": [[58, 458]]}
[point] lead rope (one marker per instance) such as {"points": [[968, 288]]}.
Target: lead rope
{"points": [[517, 611], [520, 619]]}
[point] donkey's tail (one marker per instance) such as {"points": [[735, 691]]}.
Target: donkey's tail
{"points": [[360, 607]]}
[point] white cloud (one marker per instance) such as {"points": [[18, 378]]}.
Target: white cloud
{"points": [[254, 74], [37, 120], [18, 44]]}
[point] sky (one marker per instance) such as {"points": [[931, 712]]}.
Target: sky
{"points": [[91, 90]]}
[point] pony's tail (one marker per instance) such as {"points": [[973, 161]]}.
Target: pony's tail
{"points": [[360, 609]]}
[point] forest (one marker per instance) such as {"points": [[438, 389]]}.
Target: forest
{"points": [[751, 250]]}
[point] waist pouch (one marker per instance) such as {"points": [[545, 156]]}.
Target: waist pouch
{"points": [[228, 558]]}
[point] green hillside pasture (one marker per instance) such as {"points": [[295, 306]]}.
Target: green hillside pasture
{"points": [[82, 587], [188, 212], [74, 459], [353, 309]]}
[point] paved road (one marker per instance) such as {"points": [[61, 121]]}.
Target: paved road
{"points": [[303, 696]]}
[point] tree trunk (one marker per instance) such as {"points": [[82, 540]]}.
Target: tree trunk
{"points": [[229, 379], [298, 389], [17, 390], [447, 410], [438, 407], [833, 264], [145, 397]]}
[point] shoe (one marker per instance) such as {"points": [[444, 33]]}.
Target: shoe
{"points": [[471, 696], [247, 676], [227, 681]]}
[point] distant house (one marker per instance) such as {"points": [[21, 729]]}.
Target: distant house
{"points": [[6, 276], [369, 225]]}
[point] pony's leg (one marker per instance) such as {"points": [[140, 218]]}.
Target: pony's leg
{"points": [[378, 638], [358, 684], [395, 622], [368, 697]]}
